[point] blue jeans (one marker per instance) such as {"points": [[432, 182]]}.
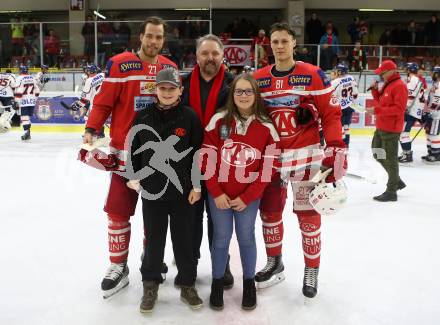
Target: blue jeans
{"points": [[222, 221]]}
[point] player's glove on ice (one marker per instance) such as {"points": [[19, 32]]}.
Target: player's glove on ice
{"points": [[335, 157]]}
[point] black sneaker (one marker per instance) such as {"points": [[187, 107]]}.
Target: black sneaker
{"points": [[386, 197]]}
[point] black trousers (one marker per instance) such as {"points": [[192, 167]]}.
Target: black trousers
{"points": [[181, 215]]}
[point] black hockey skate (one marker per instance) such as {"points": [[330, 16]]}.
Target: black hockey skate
{"points": [[433, 159], [115, 279], [406, 157], [26, 136], [271, 274], [310, 283]]}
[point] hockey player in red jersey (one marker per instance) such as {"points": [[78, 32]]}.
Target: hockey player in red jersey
{"points": [[297, 95], [128, 87]]}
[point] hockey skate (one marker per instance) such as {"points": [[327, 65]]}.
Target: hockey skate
{"points": [[433, 159], [310, 282], [271, 274], [115, 279], [26, 136], [406, 158]]}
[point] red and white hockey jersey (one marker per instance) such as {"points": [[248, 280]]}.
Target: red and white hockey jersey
{"points": [[244, 157], [128, 86], [416, 96], [282, 95], [26, 90]]}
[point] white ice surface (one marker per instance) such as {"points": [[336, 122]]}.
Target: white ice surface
{"points": [[380, 261]]}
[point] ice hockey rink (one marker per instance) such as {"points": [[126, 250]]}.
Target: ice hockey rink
{"points": [[379, 264]]}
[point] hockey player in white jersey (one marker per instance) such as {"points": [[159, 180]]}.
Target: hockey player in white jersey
{"points": [[346, 90], [431, 118], [91, 87], [414, 110], [7, 102], [42, 78], [26, 93]]}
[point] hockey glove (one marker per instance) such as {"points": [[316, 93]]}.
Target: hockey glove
{"points": [[99, 159], [76, 106], [14, 105], [335, 157], [306, 114]]}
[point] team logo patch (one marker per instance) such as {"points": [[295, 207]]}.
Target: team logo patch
{"points": [[108, 67], [334, 100], [238, 154], [284, 120], [141, 102], [300, 80], [224, 132], [324, 78], [147, 88], [180, 132], [43, 110], [130, 66], [264, 82]]}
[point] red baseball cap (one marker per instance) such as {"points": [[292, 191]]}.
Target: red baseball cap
{"points": [[386, 65]]}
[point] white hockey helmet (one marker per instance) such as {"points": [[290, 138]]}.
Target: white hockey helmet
{"points": [[328, 198]]}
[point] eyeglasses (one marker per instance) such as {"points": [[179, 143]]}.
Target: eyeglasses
{"points": [[248, 92]]}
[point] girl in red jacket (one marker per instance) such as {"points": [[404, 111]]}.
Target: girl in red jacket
{"points": [[240, 151]]}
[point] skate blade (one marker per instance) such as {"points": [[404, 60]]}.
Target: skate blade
{"points": [[406, 164], [121, 285], [309, 301], [277, 278]]}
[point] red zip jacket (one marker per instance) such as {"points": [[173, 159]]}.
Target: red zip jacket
{"points": [[129, 86], [390, 104], [241, 163]]}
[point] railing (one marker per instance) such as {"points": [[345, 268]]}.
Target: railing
{"points": [[73, 44]]}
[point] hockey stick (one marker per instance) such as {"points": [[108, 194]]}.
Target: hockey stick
{"points": [[420, 129], [68, 107], [361, 178]]}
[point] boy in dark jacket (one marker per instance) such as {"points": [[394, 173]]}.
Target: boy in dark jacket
{"points": [[165, 136]]}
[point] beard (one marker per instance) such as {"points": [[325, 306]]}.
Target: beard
{"points": [[150, 51], [210, 68]]}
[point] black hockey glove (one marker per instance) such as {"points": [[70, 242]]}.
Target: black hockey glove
{"points": [[306, 114]]}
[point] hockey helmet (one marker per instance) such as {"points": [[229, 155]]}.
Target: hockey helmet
{"points": [[92, 68], [341, 68], [44, 67], [436, 72], [328, 198], [23, 69], [412, 67]]}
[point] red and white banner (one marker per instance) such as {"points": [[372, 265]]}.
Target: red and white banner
{"points": [[238, 55]]}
